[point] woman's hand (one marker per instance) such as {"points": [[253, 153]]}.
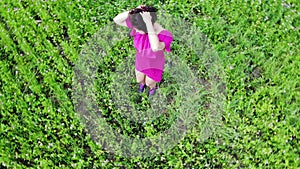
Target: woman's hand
{"points": [[140, 6], [146, 17]]}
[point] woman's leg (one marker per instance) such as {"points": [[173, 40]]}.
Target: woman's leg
{"points": [[150, 82], [140, 77]]}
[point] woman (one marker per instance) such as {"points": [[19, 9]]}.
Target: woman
{"points": [[150, 41]]}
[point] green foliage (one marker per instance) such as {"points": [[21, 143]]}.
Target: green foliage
{"points": [[257, 42]]}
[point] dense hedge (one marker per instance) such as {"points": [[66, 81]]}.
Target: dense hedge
{"points": [[258, 43]]}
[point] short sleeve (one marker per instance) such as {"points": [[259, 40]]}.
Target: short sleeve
{"points": [[166, 37], [128, 23]]}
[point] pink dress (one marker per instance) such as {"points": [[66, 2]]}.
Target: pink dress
{"points": [[147, 61]]}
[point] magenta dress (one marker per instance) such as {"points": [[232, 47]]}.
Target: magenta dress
{"points": [[147, 61]]}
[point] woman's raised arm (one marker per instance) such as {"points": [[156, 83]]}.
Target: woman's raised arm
{"points": [[120, 19], [155, 44]]}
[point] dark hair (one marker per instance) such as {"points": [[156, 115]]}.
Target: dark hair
{"points": [[137, 20]]}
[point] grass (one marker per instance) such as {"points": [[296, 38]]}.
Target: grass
{"points": [[257, 44]]}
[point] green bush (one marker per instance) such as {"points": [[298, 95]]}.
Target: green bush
{"points": [[257, 42]]}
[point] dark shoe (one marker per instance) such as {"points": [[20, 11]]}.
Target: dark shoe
{"points": [[141, 88], [152, 91]]}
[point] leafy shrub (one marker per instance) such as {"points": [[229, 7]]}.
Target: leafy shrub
{"points": [[257, 42]]}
